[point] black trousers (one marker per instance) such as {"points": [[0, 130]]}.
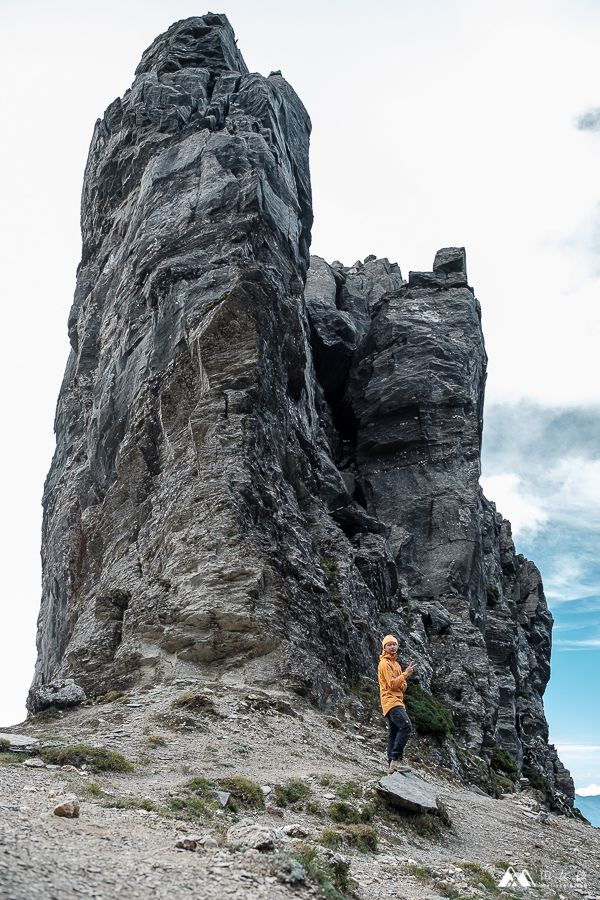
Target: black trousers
{"points": [[400, 729]]}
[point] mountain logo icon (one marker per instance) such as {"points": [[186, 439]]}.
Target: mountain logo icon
{"points": [[514, 879]]}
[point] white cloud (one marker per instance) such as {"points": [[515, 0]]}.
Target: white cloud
{"points": [[592, 790], [506, 492], [575, 645], [567, 581]]}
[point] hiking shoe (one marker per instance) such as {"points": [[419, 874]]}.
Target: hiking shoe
{"points": [[397, 766]]}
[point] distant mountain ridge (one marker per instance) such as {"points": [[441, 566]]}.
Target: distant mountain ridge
{"points": [[589, 807]]}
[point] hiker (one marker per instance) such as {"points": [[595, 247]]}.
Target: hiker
{"points": [[392, 685]]}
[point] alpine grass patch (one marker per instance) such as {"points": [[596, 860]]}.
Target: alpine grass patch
{"points": [[243, 790], [291, 792], [331, 838], [481, 875], [98, 759], [9, 758], [197, 702], [194, 801], [348, 789], [423, 873]]}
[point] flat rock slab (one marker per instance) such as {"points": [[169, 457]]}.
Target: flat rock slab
{"points": [[18, 741], [408, 791]]}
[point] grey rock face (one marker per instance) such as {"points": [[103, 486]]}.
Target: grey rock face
{"points": [[257, 477]]}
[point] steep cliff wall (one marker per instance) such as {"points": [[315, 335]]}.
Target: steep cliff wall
{"points": [[253, 479]]}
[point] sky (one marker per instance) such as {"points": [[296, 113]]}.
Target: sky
{"points": [[437, 123]]}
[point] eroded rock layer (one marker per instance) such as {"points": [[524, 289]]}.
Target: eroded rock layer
{"points": [[262, 467]]}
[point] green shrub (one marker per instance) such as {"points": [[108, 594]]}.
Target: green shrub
{"points": [[291, 792], [345, 813], [443, 813], [200, 787], [196, 800], [155, 740], [8, 758], [4, 745], [423, 873], [91, 789], [427, 826], [46, 715], [367, 691], [189, 807], [98, 759], [503, 763], [538, 781], [428, 715], [363, 837], [331, 838], [313, 808], [492, 594], [242, 789], [482, 876], [95, 792], [330, 877], [468, 671], [501, 784]]}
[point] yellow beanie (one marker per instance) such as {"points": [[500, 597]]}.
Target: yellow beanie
{"points": [[388, 637]]}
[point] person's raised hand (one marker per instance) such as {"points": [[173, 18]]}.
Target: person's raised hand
{"points": [[410, 668]]}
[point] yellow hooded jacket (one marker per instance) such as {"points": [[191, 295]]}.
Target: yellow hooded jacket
{"points": [[392, 683]]}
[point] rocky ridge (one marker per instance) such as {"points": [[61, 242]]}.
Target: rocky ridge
{"points": [[144, 833], [265, 462]]}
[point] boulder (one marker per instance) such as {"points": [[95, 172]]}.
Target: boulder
{"points": [[186, 844], [222, 797], [295, 830], [255, 837], [409, 792], [62, 694], [68, 809]]}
